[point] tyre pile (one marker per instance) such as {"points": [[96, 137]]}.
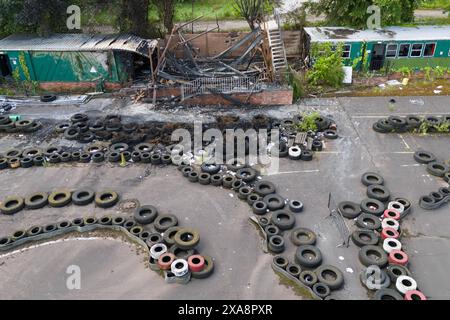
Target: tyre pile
{"points": [[95, 153], [301, 146], [275, 216], [58, 199], [172, 249], [20, 126], [413, 123], [378, 235], [439, 169]]}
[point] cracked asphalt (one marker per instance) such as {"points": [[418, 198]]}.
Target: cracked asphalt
{"points": [[114, 269]]}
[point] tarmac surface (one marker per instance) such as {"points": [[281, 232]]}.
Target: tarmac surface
{"points": [[115, 269]]}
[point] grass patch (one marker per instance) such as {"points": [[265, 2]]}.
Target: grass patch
{"points": [[210, 9], [433, 4]]}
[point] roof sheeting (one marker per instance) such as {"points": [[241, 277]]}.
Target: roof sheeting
{"points": [[340, 34], [78, 42]]}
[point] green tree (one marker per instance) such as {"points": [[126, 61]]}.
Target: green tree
{"points": [[133, 17], [327, 66], [353, 13]]}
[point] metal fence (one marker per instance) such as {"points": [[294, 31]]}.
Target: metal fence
{"points": [[223, 85]]}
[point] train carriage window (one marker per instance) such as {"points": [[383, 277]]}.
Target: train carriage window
{"points": [[391, 51], [346, 51], [416, 50], [430, 49], [404, 50]]}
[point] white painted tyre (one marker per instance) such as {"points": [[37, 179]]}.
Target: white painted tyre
{"points": [[390, 223], [176, 160], [295, 152], [396, 206], [391, 244], [180, 267], [405, 284], [158, 250]]}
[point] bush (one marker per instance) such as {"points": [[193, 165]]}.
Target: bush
{"points": [[327, 65]]}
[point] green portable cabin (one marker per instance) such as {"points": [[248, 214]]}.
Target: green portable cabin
{"points": [[396, 47], [77, 60]]}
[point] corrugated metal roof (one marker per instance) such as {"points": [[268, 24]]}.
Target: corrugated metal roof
{"points": [[340, 34], [78, 42]]}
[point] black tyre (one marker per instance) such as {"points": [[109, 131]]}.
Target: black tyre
{"points": [[387, 294], [156, 159], [308, 278], [296, 206], [349, 210], [36, 201], [371, 178], [244, 193], [321, 290], [39, 161], [204, 179], [187, 238], [118, 221], [246, 174], [145, 214], [83, 197], [59, 198], [54, 158], [308, 256], [373, 206], [66, 157], [303, 237], [193, 177], [330, 276], [48, 98], [437, 169], [424, 157], [114, 157], [210, 168], [363, 238], [368, 221], [276, 244], [294, 270], [274, 202], [259, 207], [284, 220], [98, 157], [12, 205], [26, 162], [307, 155], [85, 158], [373, 256], [72, 133], [395, 270], [228, 181], [164, 222], [169, 235], [280, 261], [264, 188], [378, 192], [106, 199], [217, 180], [271, 230]]}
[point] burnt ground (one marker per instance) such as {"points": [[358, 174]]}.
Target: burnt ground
{"points": [[113, 269]]}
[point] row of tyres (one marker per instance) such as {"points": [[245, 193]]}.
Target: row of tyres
{"points": [[413, 123], [378, 221]]}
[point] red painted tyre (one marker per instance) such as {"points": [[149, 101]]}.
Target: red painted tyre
{"points": [[392, 213], [166, 260], [389, 233], [415, 295], [398, 257], [196, 263]]}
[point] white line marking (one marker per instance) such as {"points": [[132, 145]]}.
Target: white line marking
{"points": [[53, 242], [290, 172], [411, 165], [404, 141]]}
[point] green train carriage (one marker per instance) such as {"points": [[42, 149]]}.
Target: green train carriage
{"points": [[393, 47]]}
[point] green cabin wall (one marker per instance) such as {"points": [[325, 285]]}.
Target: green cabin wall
{"points": [[69, 66], [410, 62]]}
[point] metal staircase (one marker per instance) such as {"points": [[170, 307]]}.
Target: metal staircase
{"points": [[274, 33]]}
